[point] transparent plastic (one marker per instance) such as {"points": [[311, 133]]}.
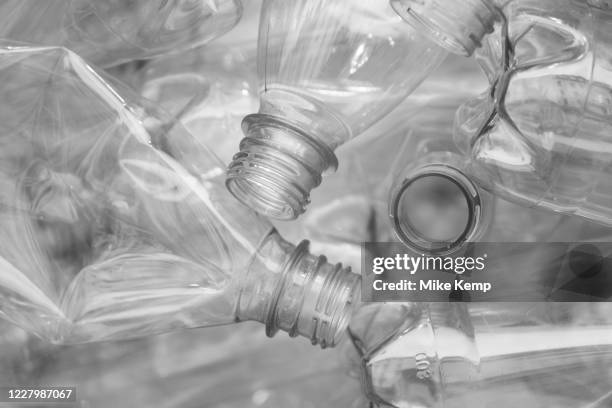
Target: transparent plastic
{"points": [[208, 89], [351, 206], [117, 223], [458, 26], [434, 206], [540, 136], [328, 71], [109, 32], [218, 367], [482, 354]]}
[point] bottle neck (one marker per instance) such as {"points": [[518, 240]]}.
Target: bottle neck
{"points": [[288, 289], [458, 26], [458, 211], [277, 167]]}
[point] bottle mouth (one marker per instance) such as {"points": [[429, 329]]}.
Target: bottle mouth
{"points": [[314, 298], [437, 210], [457, 26], [277, 167]]}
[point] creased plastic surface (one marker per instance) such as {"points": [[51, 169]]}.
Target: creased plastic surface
{"points": [[116, 223], [109, 32]]}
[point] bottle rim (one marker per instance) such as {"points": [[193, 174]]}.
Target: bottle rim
{"points": [[410, 236]]}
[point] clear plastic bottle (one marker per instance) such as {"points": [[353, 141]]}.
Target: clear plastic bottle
{"points": [[435, 207], [117, 222], [541, 135], [483, 355], [109, 32], [328, 70]]}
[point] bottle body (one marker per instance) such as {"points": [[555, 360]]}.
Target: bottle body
{"points": [[436, 206], [119, 224], [540, 135], [111, 32], [328, 71], [452, 354]]}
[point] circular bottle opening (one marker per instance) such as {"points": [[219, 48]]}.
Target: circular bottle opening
{"points": [[436, 210]]}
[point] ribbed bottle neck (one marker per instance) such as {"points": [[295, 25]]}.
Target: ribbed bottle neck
{"points": [[458, 26], [288, 289], [277, 167]]}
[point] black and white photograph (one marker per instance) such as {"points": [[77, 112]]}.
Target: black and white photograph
{"points": [[305, 203]]}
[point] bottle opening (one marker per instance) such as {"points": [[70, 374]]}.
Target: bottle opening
{"points": [[436, 210]]}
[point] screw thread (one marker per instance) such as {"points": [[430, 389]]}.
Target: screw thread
{"points": [[277, 167]]}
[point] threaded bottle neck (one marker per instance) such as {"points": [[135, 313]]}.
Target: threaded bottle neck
{"points": [[288, 289], [277, 167], [458, 26]]}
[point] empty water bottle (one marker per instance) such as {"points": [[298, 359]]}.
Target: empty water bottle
{"points": [[485, 354], [328, 71], [117, 223], [541, 135], [436, 207]]}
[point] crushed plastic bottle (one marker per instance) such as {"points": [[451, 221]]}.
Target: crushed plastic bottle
{"points": [[435, 207], [117, 223], [540, 135], [506, 355], [109, 32], [208, 89]]}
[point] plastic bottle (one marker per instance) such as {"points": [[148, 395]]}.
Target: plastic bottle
{"points": [[109, 32], [435, 207], [482, 355], [540, 135], [117, 223], [328, 70]]}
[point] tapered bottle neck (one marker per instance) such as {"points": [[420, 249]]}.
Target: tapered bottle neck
{"points": [[458, 26], [288, 289]]}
